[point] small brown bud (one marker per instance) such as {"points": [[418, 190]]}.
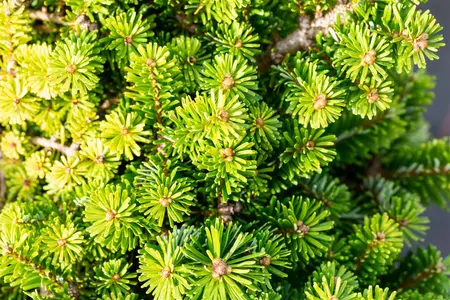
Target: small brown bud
{"points": [[403, 223], [440, 267], [238, 44], [369, 58], [16, 101], [215, 276], [164, 201], [421, 43], [381, 236], [128, 40], [227, 154], [226, 218], [224, 115], [265, 261], [100, 159], [302, 228], [151, 63], [330, 253], [334, 298], [26, 182], [320, 101], [373, 96], [12, 145], [220, 267], [124, 131], [164, 234], [310, 145], [110, 215], [192, 59], [7, 250], [259, 122], [165, 272], [116, 277], [61, 242], [405, 33], [227, 82], [71, 69]]}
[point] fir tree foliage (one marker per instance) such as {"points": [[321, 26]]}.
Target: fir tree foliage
{"points": [[227, 150]]}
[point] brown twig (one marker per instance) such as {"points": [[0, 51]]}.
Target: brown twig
{"points": [[57, 18], [44, 15], [416, 172], [50, 143], [108, 103], [303, 37], [25, 261], [415, 280]]}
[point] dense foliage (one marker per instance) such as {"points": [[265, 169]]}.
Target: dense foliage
{"points": [[211, 149]]}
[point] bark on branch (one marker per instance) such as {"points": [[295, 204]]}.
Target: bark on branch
{"points": [[44, 15], [303, 37], [48, 143]]}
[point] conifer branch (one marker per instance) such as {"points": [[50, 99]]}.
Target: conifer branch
{"points": [[232, 190], [303, 38], [156, 97], [360, 260], [25, 261], [50, 143], [414, 281], [358, 263], [417, 172]]}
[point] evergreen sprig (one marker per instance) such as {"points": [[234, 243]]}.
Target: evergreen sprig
{"points": [[302, 221], [75, 63], [164, 195]]}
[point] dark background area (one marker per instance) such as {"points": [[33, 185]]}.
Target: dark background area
{"points": [[439, 117]]}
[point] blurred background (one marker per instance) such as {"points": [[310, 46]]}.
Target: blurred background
{"points": [[439, 117]]}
